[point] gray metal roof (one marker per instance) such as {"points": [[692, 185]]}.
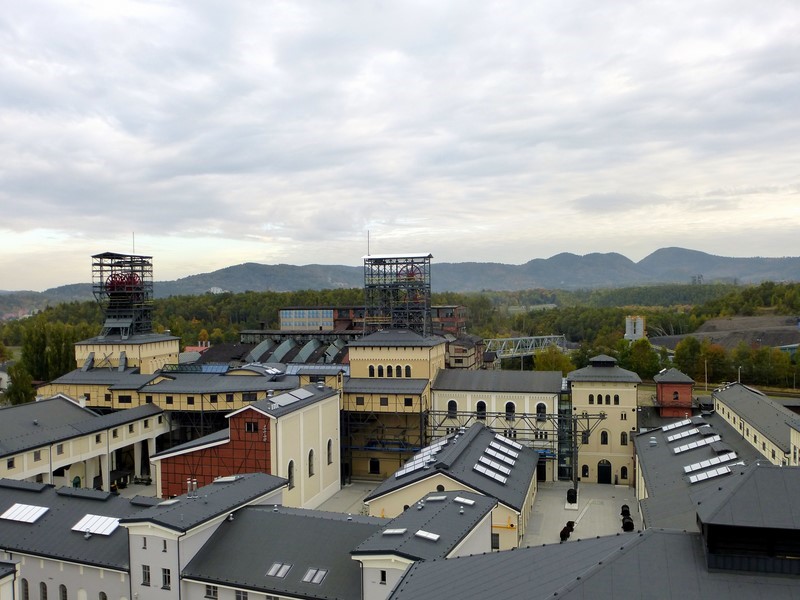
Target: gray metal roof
{"points": [[210, 383], [99, 376], [548, 382], [770, 418], [317, 369], [654, 564], [241, 552], [36, 424], [291, 401], [218, 498], [139, 338], [448, 518], [7, 569], [52, 536], [218, 437], [669, 502], [763, 496], [377, 385], [672, 375], [393, 338], [457, 459], [603, 368]]}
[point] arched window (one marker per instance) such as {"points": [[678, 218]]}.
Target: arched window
{"points": [[591, 398], [675, 396], [623, 438], [330, 452], [623, 472], [604, 438], [311, 463], [62, 592], [290, 474], [616, 398], [23, 589], [42, 591], [608, 398], [452, 409], [398, 371], [541, 412], [510, 411], [372, 370], [480, 409], [408, 370], [585, 471], [102, 596], [380, 370], [389, 370]]}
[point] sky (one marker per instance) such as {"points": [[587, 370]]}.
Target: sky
{"points": [[212, 133]]}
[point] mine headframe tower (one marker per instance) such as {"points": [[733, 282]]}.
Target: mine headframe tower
{"points": [[123, 286], [397, 292]]}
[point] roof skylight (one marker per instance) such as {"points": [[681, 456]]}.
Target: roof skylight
{"points": [[24, 513]]}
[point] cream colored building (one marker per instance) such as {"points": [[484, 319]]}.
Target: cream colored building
{"points": [[60, 442], [476, 460], [604, 391], [774, 431]]}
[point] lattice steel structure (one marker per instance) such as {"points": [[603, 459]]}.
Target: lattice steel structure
{"points": [[524, 346], [123, 286], [397, 292]]}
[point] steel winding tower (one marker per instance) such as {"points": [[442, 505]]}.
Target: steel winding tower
{"points": [[123, 286], [397, 292]]}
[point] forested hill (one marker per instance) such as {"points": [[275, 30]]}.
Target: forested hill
{"points": [[563, 271]]}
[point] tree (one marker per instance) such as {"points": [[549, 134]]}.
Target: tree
{"points": [[5, 353], [644, 359], [34, 349], [553, 359], [687, 357], [20, 389]]}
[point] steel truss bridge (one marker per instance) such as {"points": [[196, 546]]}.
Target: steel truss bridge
{"points": [[524, 346]]}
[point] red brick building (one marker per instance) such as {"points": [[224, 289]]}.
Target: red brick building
{"points": [[674, 391]]}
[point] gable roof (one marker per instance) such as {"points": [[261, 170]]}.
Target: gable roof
{"points": [[289, 402], [457, 457], [672, 375], [394, 338], [52, 536], [241, 552], [603, 368], [219, 498], [449, 515], [548, 382], [653, 564], [763, 496], [770, 418]]}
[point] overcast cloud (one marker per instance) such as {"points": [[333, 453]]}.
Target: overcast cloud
{"points": [[282, 132]]}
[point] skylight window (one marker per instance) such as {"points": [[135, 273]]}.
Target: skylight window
{"points": [[427, 535], [436, 498], [398, 531], [495, 465], [500, 456], [24, 513], [96, 524], [490, 474], [704, 464], [699, 443], [279, 570], [461, 500], [505, 440], [709, 474], [504, 449], [315, 576], [672, 426], [683, 434]]}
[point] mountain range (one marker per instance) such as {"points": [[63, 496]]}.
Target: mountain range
{"points": [[563, 271]]}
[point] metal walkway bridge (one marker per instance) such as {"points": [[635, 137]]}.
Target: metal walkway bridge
{"points": [[524, 346]]}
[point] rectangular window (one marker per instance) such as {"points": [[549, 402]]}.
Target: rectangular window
{"points": [[10, 463], [166, 579], [495, 541], [148, 399], [240, 595], [98, 438], [408, 401], [60, 449], [212, 591], [147, 423], [189, 399], [383, 577], [125, 399], [130, 428], [359, 400], [248, 396], [108, 397], [145, 574], [169, 399], [212, 398], [160, 420], [114, 433], [251, 427], [624, 417], [384, 401], [229, 398], [37, 455], [459, 361]]}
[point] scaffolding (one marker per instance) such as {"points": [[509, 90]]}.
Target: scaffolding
{"points": [[397, 292], [123, 286]]}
